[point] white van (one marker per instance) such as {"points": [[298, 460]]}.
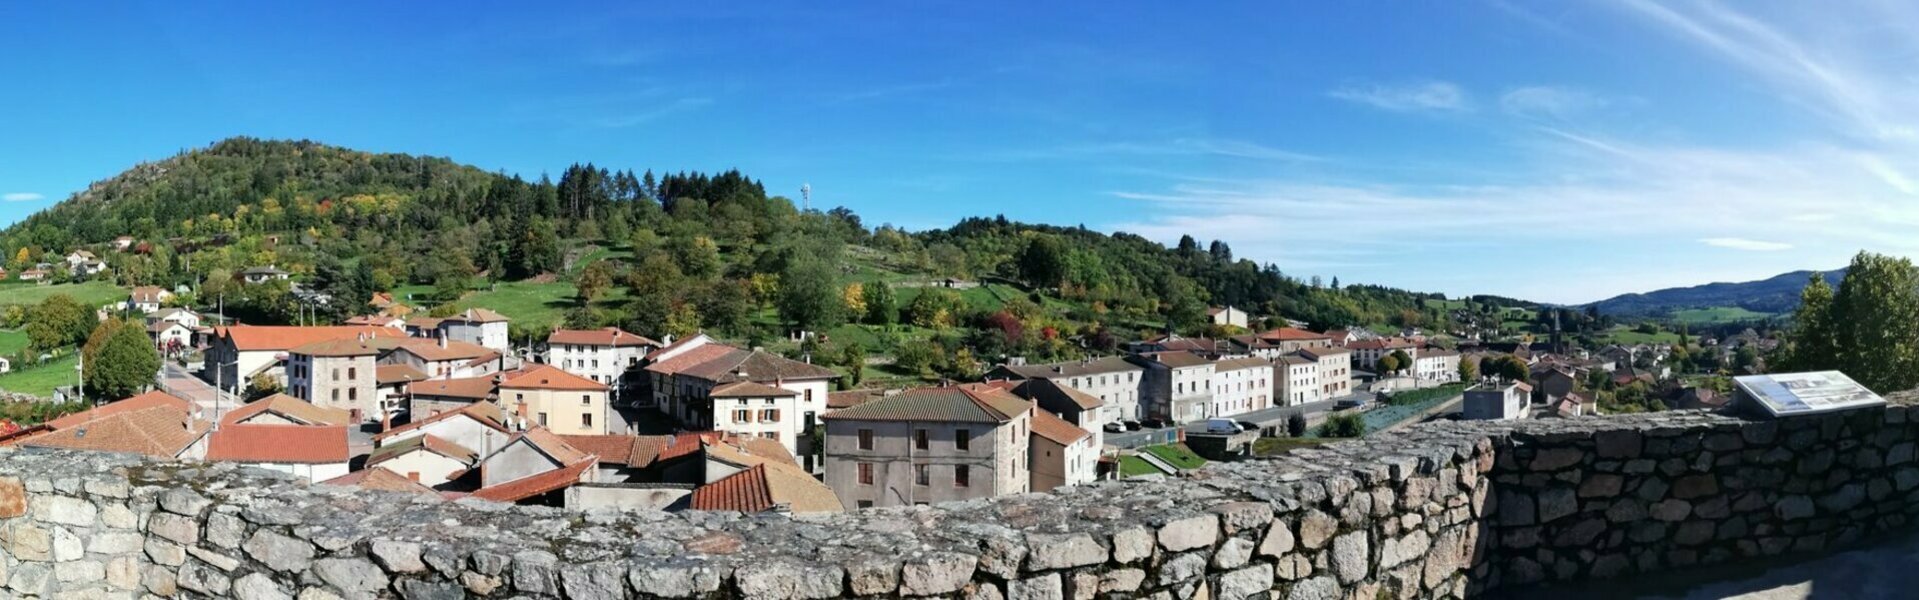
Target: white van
{"points": [[1222, 426]]}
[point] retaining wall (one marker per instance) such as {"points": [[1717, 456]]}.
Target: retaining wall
{"points": [[1434, 510]]}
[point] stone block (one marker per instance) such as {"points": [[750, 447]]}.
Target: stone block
{"points": [[1351, 556], [939, 573], [1189, 533], [13, 497], [786, 579], [1043, 587], [1063, 551]]}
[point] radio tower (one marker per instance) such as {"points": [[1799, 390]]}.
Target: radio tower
{"points": [[806, 197]]}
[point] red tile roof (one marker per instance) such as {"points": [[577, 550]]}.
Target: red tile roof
{"points": [[748, 389], [1056, 429], [605, 336], [129, 404], [381, 479], [279, 444], [291, 408], [1291, 334], [764, 487], [386, 374], [286, 337], [157, 431], [341, 347], [475, 388], [548, 377], [534, 485], [483, 412]]}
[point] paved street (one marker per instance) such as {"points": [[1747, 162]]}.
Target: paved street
{"points": [[177, 380], [1267, 417]]}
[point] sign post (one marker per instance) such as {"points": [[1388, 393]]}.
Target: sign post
{"points": [[1789, 394]]}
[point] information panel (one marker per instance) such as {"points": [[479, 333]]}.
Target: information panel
{"points": [[1786, 394]]}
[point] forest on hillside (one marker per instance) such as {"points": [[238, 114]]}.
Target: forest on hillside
{"points": [[659, 254]]}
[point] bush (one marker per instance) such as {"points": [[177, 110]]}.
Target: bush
{"points": [[1296, 425], [1343, 426]]}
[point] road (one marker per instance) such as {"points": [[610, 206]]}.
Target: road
{"points": [[1265, 417], [177, 380]]}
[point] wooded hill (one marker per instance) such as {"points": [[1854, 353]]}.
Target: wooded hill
{"points": [[668, 253]]}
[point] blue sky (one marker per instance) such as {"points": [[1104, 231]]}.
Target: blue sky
{"points": [[1561, 151]]}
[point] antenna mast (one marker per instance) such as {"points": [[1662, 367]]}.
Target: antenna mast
{"points": [[806, 196]]}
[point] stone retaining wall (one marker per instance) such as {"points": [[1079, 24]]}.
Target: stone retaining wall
{"points": [[1436, 510]]}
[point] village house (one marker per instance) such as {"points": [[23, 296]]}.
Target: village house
{"points": [[1227, 316], [281, 409], [390, 383], [264, 274], [170, 336], [1241, 385], [441, 358], [310, 453], [1073, 406], [559, 401], [1335, 370], [434, 396], [1366, 353], [382, 480], [1294, 339], [384, 305], [1115, 381], [930, 445], [339, 374], [1206, 347], [153, 424], [147, 298], [477, 427], [377, 321], [477, 326], [81, 263], [238, 353], [534, 467], [1298, 379], [120, 244], [1496, 402], [683, 374], [608, 355], [1177, 386], [427, 459], [749, 409], [1061, 454], [33, 275], [1435, 364]]}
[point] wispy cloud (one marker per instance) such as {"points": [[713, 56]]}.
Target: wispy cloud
{"points": [[647, 114], [1427, 96], [1185, 146], [1737, 243], [894, 90], [1557, 102], [21, 197]]}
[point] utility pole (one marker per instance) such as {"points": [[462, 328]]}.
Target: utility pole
{"points": [[806, 197]]}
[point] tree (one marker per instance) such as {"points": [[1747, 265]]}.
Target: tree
{"points": [[853, 359], [1296, 425], [1389, 364], [594, 280], [120, 360], [808, 298], [1043, 262], [854, 298], [1512, 368], [1402, 359], [536, 250], [58, 321], [1468, 369], [261, 386], [697, 256], [1871, 325], [1814, 346], [881, 306], [1343, 426]]}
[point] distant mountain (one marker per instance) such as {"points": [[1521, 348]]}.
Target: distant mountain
{"points": [[1777, 294]]}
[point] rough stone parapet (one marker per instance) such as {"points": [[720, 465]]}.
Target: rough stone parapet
{"points": [[1432, 510]]}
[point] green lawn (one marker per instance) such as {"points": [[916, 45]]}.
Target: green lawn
{"points": [[12, 341], [530, 302], [1133, 466], [1177, 455], [1625, 335], [91, 293], [1718, 314], [39, 380]]}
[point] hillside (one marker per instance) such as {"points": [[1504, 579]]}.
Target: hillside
{"points": [[667, 254], [1717, 302]]}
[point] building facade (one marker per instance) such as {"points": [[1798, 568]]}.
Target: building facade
{"points": [[929, 445]]}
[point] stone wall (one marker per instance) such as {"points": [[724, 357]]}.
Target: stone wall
{"points": [[1437, 510]]}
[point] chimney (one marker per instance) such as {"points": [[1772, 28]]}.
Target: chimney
{"points": [[443, 339], [386, 421]]}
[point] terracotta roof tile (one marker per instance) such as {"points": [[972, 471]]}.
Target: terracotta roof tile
{"points": [[765, 487], [157, 431], [1287, 334], [286, 337], [291, 408], [386, 374], [279, 444], [474, 388], [852, 398], [748, 389], [129, 404], [605, 336], [534, 485], [477, 315], [1056, 429], [428, 442], [382, 480], [1048, 391], [484, 413], [437, 350], [963, 404], [548, 377]]}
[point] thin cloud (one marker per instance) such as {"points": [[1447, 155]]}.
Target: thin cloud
{"points": [[1229, 148], [21, 197], [1736, 243], [889, 91], [648, 115], [1550, 101], [1429, 96]]}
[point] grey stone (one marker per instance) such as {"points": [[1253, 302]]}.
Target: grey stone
{"points": [[1235, 517], [676, 579], [1400, 550], [785, 579], [1245, 583], [182, 501], [115, 542], [939, 573], [536, 572], [80, 570], [1793, 508], [31, 579], [597, 581], [65, 510], [1317, 588], [397, 556], [1278, 540], [1555, 503], [1671, 509], [1315, 528], [1121, 580], [200, 578], [351, 574], [1130, 545], [1189, 533], [66, 545], [166, 553], [417, 589], [216, 559], [1233, 554], [1182, 568], [258, 586], [178, 529], [1351, 556], [279, 552], [1043, 587], [1062, 551], [1553, 459]]}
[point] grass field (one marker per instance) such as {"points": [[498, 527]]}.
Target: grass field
{"points": [[39, 380], [1177, 455], [91, 293], [12, 341], [1133, 466], [1625, 335], [530, 302], [1718, 314]]}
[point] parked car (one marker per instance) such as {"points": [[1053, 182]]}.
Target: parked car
{"points": [[1249, 426], [1222, 426], [1114, 427], [1131, 425], [1153, 423]]}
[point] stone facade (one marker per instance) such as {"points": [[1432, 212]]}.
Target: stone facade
{"points": [[1433, 510]]}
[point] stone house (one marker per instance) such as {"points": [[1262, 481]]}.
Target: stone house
{"points": [[1298, 379], [1241, 385], [337, 373], [1335, 370], [1073, 406], [237, 353], [684, 373], [1496, 402], [281, 409], [477, 427], [427, 459], [608, 355], [255, 275], [435, 396], [311, 453], [147, 298], [559, 401], [1115, 381], [531, 468], [930, 445], [478, 326], [154, 424], [1227, 315], [1177, 386], [1061, 454], [752, 410]]}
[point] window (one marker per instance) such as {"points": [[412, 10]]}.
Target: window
{"points": [[586, 399], [771, 435], [962, 476], [742, 416], [866, 473], [866, 440], [770, 415], [863, 504], [336, 374], [962, 439], [352, 373], [919, 439], [809, 396], [352, 394], [336, 394], [542, 419], [922, 475], [586, 420]]}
